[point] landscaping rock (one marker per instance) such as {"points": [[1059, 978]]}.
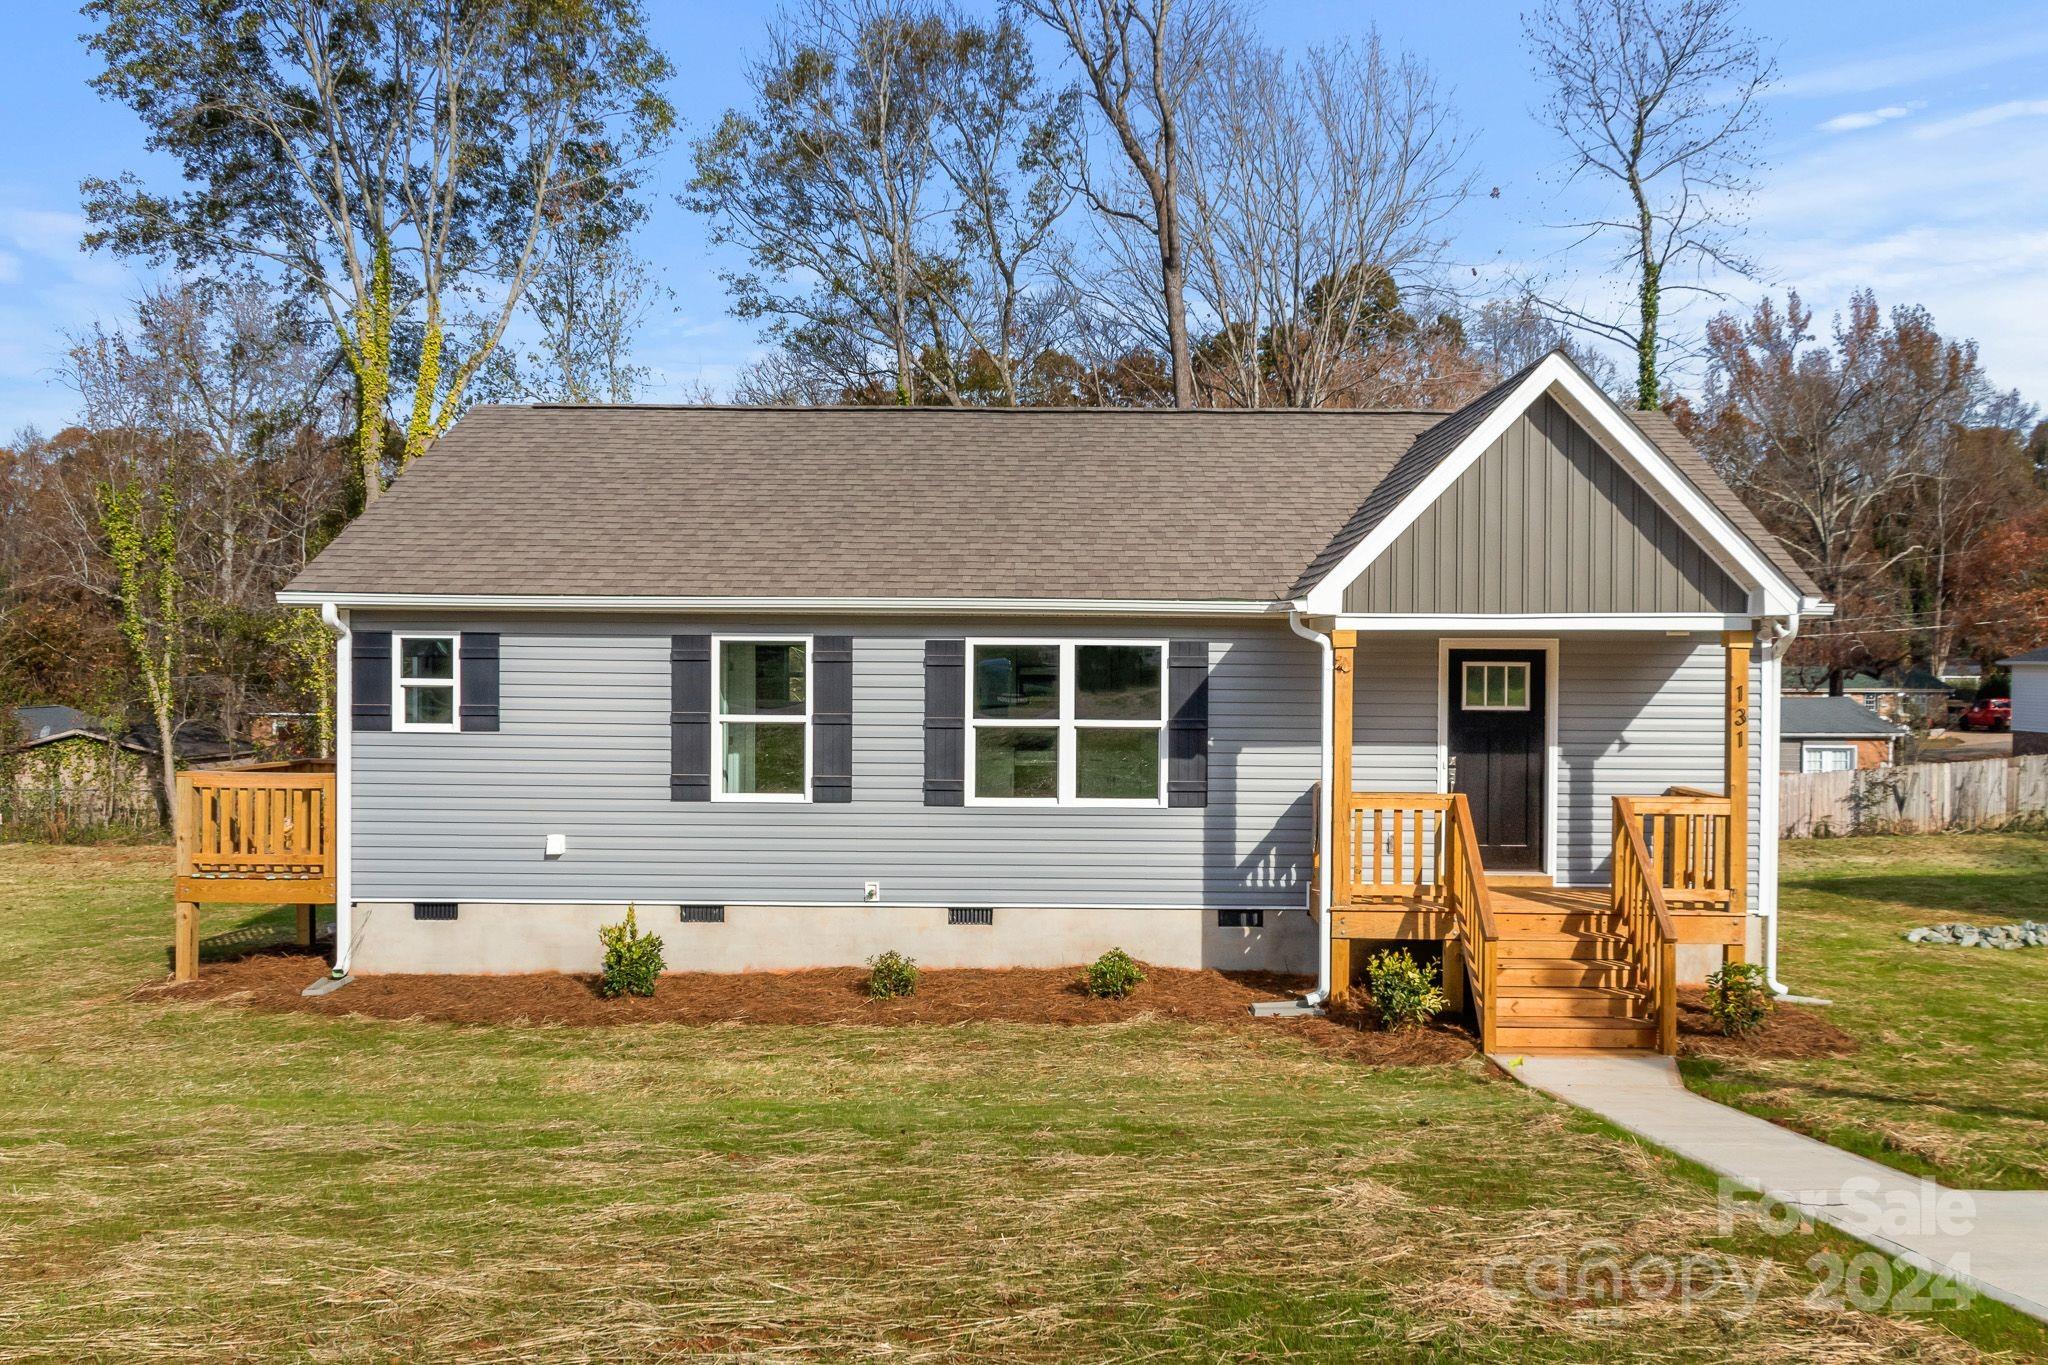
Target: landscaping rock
{"points": [[2025, 934]]}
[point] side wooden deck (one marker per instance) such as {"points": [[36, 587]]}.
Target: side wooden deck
{"points": [[257, 834]]}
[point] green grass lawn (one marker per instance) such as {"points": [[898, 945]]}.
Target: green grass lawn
{"points": [[1952, 1077], [195, 1179]]}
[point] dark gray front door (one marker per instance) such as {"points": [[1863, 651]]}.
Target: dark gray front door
{"points": [[1495, 743]]}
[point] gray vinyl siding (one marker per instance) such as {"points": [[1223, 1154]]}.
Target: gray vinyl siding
{"points": [[1636, 714], [584, 751], [1544, 521]]}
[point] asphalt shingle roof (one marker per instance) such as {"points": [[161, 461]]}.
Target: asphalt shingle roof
{"points": [[648, 501], [1831, 718], [2032, 656]]}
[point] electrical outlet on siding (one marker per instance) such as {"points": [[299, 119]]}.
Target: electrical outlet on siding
{"points": [[871, 892]]}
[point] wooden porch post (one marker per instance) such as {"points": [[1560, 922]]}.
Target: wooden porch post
{"points": [[185, 943], [1343, 647], [1736, 646], [305, 924]]}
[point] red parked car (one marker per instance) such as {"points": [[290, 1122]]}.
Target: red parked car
{"points": [[1987, 713]]}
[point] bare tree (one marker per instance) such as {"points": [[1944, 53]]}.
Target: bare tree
{"points": [[827, 183], [1003, 143], [1833, 442], [1315, 195], [1660, 99], [1140, 61]]}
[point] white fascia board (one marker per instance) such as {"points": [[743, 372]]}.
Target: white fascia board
{"points": [[865, 606], [1687, 622], [1640, 457]]}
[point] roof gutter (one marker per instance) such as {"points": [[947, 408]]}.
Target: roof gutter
{"points": [[878, 606], [1326, 749]]}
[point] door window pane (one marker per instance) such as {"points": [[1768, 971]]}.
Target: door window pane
{"points": [[762, 678], [427, 657], [1016, 763], [1116, 764], [1017, 682], [1496, 686], [764, 760], [1116, 682]]}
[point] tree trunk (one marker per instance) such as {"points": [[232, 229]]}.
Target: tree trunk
{"points": [[167, 771]]}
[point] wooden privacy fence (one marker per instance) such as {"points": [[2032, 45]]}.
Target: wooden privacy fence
{"points": [[1915, 798]]}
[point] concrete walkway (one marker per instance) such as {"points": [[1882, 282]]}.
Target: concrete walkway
{"points": [[1994, 1241]]}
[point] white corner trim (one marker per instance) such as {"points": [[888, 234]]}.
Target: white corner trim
{"points": [[1639, 456], [878, 606]]}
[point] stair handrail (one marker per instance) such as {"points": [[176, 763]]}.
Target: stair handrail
{"points": [[1645, 921], [1464, 880]]}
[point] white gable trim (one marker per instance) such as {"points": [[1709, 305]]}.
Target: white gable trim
{"points": [[1771, 593]]}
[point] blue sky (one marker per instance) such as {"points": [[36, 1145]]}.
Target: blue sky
{"points": [[1907, 151]]}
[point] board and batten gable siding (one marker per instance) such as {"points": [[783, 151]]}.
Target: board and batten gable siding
{"points": [[583, 751], [1636, 714], [1544, 521]]}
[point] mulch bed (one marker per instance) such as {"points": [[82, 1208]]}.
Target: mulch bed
{"points": [[1789, 1032], [272, 982]]}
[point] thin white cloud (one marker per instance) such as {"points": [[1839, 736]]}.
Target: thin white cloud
{"points": [[1910, 66], [1869, 118], [1989, 116]]}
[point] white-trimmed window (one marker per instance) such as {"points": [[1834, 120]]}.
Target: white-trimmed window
{"points": [[1496, 685], [763, 722], [1066, 722], [1827, 758], [426, 675]]}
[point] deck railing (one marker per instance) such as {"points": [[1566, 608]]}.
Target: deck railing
{"points": [[1416, 847], [256, 835], [1644, 920], [1472, 903], [1693, 843]]}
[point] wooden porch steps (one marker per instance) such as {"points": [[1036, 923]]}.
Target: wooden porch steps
{"points": [[1565, 978]]}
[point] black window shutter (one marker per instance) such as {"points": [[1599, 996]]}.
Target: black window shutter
{"points": [[689, 718], [945, 724], [1187, 749], [832, 718], [370, 665], [479, 680]]}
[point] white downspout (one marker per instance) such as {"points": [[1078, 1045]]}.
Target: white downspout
{"points": [[1326, 747], [1768, 799], [336, 620]]}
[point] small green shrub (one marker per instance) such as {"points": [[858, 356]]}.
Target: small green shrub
{"points": [[891, 976], [1738, 1000], [632, 960], [1404, 990], [1112, 976]]}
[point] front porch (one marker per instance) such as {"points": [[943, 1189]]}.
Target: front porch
{"points": [[1546, 962]]}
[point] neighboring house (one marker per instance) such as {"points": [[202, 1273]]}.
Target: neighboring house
{"points": [[2029, 701], [1833, 734], [66, 769], [1910, 696], [1006, 688]]}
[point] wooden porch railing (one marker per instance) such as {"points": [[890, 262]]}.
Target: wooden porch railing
{"points": [[256, 835], [1694, 846], [1420, 848], [1644, 920]]}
